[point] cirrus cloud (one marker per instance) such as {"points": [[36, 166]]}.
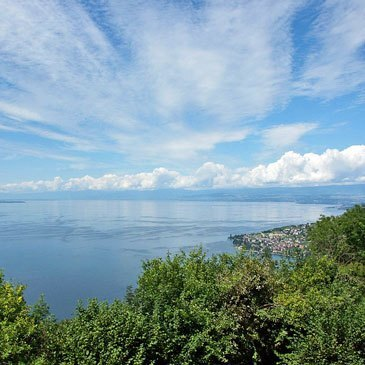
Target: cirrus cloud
{"points": [[284, 135], [336, 65], [155, 83], [130, 78]]}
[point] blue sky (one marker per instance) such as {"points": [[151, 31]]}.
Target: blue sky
{"points": [[108, 94]]}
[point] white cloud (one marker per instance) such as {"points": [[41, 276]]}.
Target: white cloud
{"points": [[285, 135], [16, 112], [292, 168], [145, 72], [331, 167], [19, 149], [162, 81], [336, 66], [230, 59], [181, 144], [40, 185], [158, 178]]}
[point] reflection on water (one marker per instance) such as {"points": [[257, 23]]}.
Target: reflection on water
{"points": [[82, 249]]}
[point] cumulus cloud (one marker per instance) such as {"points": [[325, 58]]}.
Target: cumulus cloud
{"points": [[40, 185], [332, 166]]}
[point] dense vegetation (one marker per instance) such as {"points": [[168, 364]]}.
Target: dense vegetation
{"points": [[226, 309]]}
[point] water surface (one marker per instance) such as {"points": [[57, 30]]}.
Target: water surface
{"points": [[72, 250]]}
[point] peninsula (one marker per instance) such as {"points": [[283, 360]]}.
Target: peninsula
{"points": [[286, 240]]}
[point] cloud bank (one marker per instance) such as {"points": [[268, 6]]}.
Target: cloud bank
{"points": [[291, 169]]}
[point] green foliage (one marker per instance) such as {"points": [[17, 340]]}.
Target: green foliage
{"points": [[40, 310], [341, 237], [322, 315], [187, 309], [104, 334], [183, 299], [334, 334], [17, 328], [223, 309]]}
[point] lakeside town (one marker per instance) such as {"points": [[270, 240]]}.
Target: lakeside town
{"points": [[286, 241]]}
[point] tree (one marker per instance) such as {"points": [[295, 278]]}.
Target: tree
{"points": [[341, 237], [322, 314], [17, 327]]}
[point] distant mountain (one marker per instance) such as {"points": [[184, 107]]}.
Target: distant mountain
{"points": [[11, 201], [335, 194]]}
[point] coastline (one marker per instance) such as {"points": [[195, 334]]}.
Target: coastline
{"points": [[282, 241]]}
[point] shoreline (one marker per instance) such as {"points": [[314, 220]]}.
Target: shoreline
{"points": [[281, 241]]}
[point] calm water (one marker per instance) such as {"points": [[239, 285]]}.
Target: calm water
{"points": [[72, 250]]}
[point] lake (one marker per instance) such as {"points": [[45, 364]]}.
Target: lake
{"points": [[72, 250]]}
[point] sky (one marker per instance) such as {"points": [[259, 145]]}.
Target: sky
{"points": [[116, 94]]}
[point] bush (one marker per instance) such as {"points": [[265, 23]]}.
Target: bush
{"points": [[341, 237], [17, 327]]}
